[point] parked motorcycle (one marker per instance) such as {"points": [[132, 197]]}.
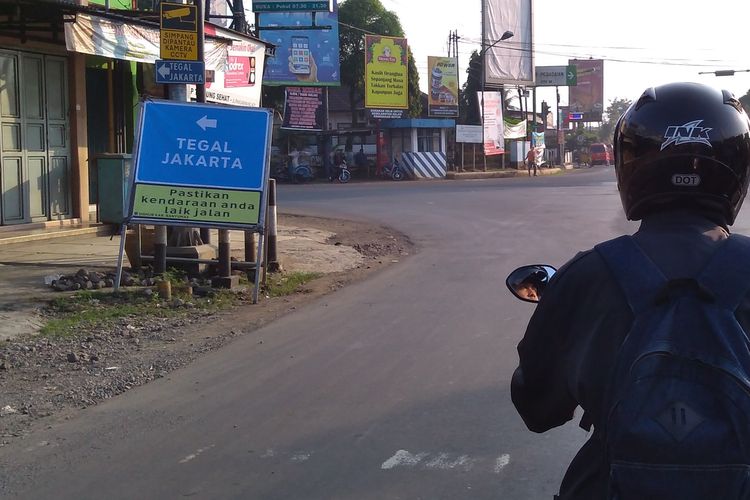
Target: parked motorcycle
{"points": [[344, 174], [527, 283], [301, 174]]}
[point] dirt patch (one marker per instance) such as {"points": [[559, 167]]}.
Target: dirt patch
{"points": [[44, 379]]}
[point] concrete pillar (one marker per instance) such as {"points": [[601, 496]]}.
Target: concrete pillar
{"points": [[79, 136]]}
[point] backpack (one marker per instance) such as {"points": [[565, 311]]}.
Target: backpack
{"points": [[676, 419]]}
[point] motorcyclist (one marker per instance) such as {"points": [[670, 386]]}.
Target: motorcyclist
{"points": [[531, 285], [682, 159]]}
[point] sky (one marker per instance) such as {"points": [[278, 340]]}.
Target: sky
{"points": [[643, 42]]}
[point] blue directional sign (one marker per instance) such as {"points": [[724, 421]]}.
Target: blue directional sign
{"points": [[201, 164], [180, 72]]}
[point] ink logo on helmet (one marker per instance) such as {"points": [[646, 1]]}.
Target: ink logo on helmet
{"points": [[691, 132]]}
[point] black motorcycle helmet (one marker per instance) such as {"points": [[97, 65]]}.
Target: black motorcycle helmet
{"points": [[683, 145]]}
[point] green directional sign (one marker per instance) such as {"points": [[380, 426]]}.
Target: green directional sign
{"points": [[571, 76], [555, 76]]}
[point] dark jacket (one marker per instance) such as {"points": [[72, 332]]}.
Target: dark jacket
{"points": [[574, 335]]}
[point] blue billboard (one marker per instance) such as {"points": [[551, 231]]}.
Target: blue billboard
{"points": [[304, 57]]}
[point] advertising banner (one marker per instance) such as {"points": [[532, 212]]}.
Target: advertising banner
{"points": [[442, 97], [587, 96], [304, 57], [386, 72], [304, 109], [200, 165], [515, 130], [494, 133], [100, 36], [511, 60]]}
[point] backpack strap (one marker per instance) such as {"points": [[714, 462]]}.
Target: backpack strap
{"points": [[727, 274], [635, 272]]}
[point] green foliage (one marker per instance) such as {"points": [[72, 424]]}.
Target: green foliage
{"points": [[372, 17], [469, 105], [614, 111], [280, 285], [71, 314], [745, 100]]}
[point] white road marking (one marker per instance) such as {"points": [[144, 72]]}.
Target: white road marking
{"points": [[445, 461], [402, 457], [441, 461], [501, 462], [193, 456], [301, 456]]}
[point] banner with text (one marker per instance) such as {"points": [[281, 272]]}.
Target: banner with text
{"points": [[386, 72], [492, 114], [308, 57], [442, 97], [304, 109]]}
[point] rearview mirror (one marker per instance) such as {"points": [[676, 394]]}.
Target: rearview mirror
{"points": [[528, 282]]}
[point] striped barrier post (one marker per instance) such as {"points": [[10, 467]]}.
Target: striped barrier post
{"points": [[274, 266]]}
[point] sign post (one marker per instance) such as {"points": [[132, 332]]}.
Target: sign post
{"points": [[202, 165]]}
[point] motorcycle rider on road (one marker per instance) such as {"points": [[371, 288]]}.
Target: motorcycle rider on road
{"points": [[682, 159]]}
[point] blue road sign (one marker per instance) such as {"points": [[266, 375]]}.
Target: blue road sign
{"points": [[180, 72], [203, 145]]}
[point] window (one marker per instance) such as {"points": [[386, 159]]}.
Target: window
{"points": [[428, 140]]}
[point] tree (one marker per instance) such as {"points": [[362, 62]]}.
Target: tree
{"points": [[469, 107], [745, 100], [614, 111], [356, 18]]}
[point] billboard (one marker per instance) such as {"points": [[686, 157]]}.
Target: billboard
{"points": [[442, 99], [386, 72], [304, 108], [511, 60], [237, 80], [304, 57], [587, 96], [492, 119]]}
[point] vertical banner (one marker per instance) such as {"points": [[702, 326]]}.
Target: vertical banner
{"points": [[442, 98], [386, 75], [587, 96], [510, 60], [492, 118], [303, 56], [304, 109]]}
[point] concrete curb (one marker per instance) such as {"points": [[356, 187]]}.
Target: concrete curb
{"points": [[99, 230], [501, 174]]}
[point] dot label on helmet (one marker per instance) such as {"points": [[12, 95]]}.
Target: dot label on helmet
{"points": [[688, 180]]}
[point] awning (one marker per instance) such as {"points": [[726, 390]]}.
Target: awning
{"points": [[100, 36]]}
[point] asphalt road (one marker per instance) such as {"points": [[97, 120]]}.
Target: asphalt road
{"points": [[394, 388]]}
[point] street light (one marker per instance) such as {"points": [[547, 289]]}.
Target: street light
{"points": [[504, 36], [724, 72]]}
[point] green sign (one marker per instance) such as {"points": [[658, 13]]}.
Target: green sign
{"points": [[571, 76], [287, 6], [200, 205]]}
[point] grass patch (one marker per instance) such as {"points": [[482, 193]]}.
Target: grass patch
{"points": [[85, 310], [280, 285]]}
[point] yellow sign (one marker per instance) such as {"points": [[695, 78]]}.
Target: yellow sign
{"points": [[179, 17], [179, 32], [386, 72], [192, 204], [178, 45]]}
